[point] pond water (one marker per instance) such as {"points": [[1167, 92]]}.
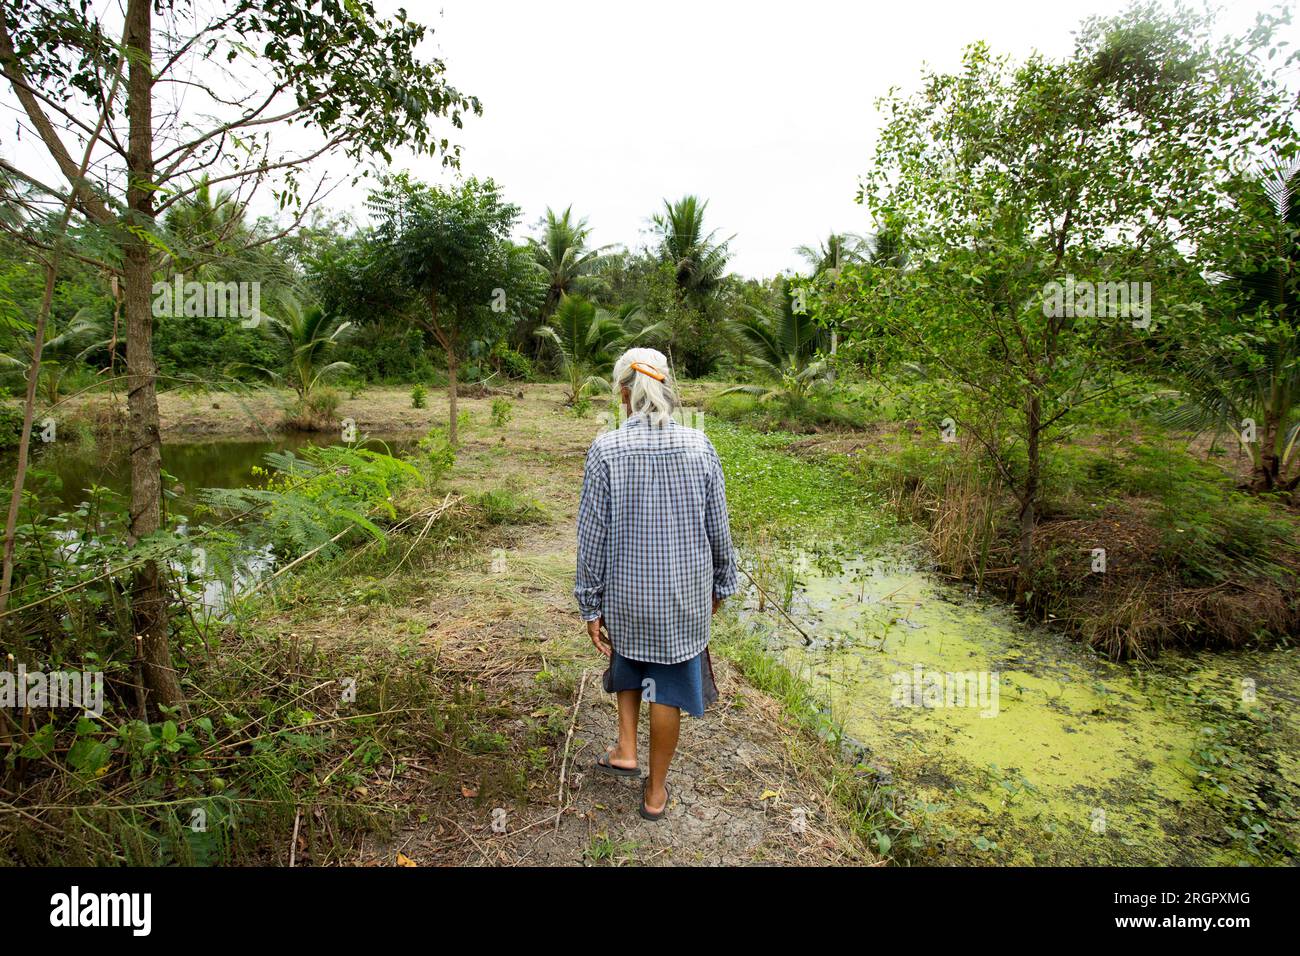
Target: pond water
{"points": [[215, 463], [76, 466], [1018, 745]]}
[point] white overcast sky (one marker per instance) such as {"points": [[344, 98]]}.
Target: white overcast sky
{"points": [[763, 108], [766, 109]]}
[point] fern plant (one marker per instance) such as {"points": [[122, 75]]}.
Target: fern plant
{"points": [[305, 502]]}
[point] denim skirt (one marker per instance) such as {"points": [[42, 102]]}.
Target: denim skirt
{"points": [[687, 685]]}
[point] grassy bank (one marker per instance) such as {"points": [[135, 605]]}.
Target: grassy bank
{"points": [[383, 699], [1140, 547], [293, 747], [190, 412], [1146, 539]]}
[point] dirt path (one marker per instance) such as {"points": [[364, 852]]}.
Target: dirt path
{"points": [[737, 796], [503, 622]]}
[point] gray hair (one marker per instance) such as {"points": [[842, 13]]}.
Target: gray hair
{"points": [[637, 370]]}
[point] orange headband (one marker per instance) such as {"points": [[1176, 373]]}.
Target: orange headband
{"points": [[647, 370]]}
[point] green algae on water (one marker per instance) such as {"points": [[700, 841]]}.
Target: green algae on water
{"points": [[1020, 746]]}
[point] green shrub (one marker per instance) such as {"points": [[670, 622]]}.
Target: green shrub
{"points": [[437, 455], [513, 364], [11, 423], [323, 404], [502, 409], [799, 414], [501, 506], [384, 356], [199, 345], [418, 396]]}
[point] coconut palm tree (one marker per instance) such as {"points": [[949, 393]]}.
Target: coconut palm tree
{"points": [[562, 252], [1255, 377], [881, 248], [699, 262], [587, 341], [1261, 386], [785, 347], [310, 335], [201, 230], [208, 238], [835, 252], [61, 350]]}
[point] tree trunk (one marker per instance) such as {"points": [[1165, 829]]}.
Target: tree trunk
{"points": [[447, 339], [452, 364], [29, 412], [1268, 469], [148, 597], [1029, 505]]}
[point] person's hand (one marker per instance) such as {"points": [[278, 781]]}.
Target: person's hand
{"points": [[717, 603], [597, 638]]}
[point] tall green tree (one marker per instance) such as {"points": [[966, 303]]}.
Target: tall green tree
{"points": [[208, 238], [450, 249], [692, 269], [1016, 181], [698, 260], [233, 75]]}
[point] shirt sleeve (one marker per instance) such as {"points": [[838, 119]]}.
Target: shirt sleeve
{"points": [[593, 531], [718, 527]]}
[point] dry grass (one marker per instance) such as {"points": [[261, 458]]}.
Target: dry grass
{"points": [[1141, 604], [186, 412]]}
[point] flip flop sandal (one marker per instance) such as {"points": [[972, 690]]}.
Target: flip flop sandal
{"points": [[604, 766], [646, 814]]}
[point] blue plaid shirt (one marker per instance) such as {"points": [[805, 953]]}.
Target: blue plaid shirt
{"points": [[654, 546]]}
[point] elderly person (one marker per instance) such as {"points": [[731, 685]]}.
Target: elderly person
{"points": [[654, 563]]}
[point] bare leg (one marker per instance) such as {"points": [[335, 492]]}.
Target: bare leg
{"points": [[665, 722], [623, 754]]}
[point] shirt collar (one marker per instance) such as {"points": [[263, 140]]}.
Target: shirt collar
{"points": [[641, 419]]}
